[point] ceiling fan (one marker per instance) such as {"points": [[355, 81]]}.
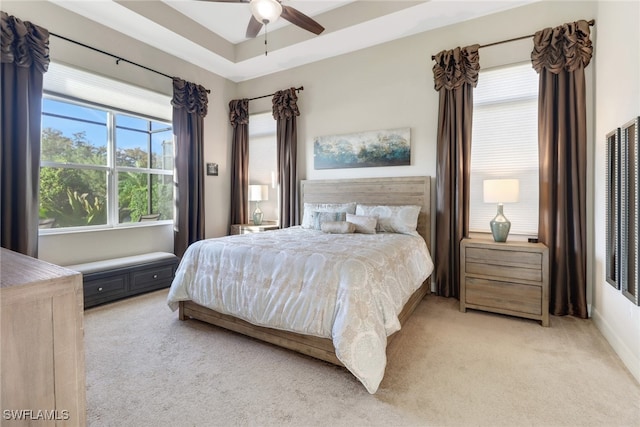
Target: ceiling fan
{"points": [[268, 11]]}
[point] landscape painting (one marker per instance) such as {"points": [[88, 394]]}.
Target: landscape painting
{"points": [[365, 149]]}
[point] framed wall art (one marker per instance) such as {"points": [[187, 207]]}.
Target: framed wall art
{"points": [[613, 208], [629, 278], [365, 149]]}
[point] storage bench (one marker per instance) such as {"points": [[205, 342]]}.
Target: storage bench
{"points": [[113, 279]]}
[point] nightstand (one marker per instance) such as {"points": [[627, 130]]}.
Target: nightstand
{"points": [[508, 278], [250, 228]]}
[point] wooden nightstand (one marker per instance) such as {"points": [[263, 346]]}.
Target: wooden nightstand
{"points": [[250, 228], [508, 278]]}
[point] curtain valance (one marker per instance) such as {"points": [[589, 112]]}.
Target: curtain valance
{"points": [[285, 104], [239, 112], [190, 96], [457, 66], [24, 44], [566, 47]]}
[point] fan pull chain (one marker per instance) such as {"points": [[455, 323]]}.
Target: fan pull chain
{"points": [[265, 39]]}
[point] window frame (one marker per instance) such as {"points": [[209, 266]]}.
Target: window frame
{"points": [[111, 169]]}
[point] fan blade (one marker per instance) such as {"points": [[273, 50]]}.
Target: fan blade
{"points": [[253, 28], [301, 20], [227, 1]]}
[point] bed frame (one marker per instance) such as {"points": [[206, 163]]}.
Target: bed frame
{"points": [[388, 191]]}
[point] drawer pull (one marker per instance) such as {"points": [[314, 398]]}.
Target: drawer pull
{"points": [[100, 289], [155, 276]]}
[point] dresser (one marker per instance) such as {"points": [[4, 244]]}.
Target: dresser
{"points": [[508, 278], [42, 348]]}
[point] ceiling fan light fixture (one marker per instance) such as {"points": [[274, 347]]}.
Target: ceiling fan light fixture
{"points": [[266, 11]]}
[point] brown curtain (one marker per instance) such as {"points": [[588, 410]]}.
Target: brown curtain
{"points": [[560, 56], [239, 117], [455, 75], [285, 110], [189, 109], [25, 58]]}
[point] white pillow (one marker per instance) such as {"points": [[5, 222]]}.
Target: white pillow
{"points": [[393, 219], [338, 227], [309, 208], [364, 224]]}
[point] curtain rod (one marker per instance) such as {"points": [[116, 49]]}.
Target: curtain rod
{"points": [[591, 23], [298, 89], [118, 58]]}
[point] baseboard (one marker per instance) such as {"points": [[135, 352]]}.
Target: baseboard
{"points": [[630, 360]]}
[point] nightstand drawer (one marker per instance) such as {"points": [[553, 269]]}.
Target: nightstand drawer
{"points": [[504, 257], [504, 271], [250, 228], [504, 295]]}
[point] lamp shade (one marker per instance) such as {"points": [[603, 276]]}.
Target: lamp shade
{"points": [[258, 193], [501, 190], [266, 11]]}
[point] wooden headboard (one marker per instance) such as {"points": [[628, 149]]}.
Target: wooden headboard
{"points": [[415, 190]]}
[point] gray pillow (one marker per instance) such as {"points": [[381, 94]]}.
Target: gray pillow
{"points": [[338, 227]]}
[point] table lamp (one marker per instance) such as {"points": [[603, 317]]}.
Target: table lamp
{"points": [[258, 193], [500, 191]]}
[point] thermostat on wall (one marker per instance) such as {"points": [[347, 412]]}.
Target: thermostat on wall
{"points": [[212, 169]]}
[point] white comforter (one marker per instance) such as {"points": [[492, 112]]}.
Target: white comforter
{"points": [[347, 287]]}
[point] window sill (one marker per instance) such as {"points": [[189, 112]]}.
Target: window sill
{"points": [[97, 229]]}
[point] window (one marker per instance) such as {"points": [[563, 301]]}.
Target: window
{"points": [[102, 166], [505, 145], [263, 161]]}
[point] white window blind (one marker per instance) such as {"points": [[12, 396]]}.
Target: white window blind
{"points": [[262, 148], [505, 145], [75, 83]]}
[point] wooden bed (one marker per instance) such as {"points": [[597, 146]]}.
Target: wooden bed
{"points": [[389, 191]]}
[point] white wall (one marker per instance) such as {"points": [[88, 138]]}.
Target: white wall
{"points": [[617, 67], [88, 246], [391, 86]]}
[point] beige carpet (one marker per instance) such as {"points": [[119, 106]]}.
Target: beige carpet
{"points": [[146, 368]]}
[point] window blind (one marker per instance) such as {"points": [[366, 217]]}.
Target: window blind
{"points": [[505, 145], [262, 149], [75, 83]]}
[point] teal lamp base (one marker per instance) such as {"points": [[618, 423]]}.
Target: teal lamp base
{"points": [[257, 216], [500, 226]]}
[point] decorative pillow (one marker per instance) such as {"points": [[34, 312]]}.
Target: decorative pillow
{"points": [[318, 218], [363, 224], [309, 208], [338, 227], [393, 219]]}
